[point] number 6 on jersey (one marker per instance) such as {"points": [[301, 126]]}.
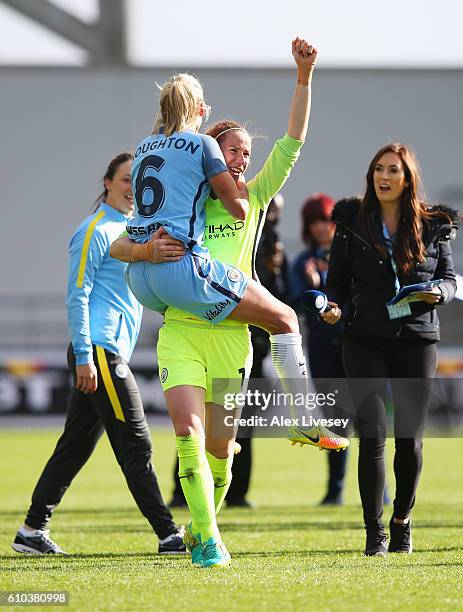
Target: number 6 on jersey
{"points": [[149, 191]]}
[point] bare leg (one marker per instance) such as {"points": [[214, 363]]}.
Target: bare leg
{"points": [[259, 307], [220, 440], [185, 404]]}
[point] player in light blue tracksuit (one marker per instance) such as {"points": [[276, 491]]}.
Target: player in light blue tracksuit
{"points": [[104, 320], [101, 310]]}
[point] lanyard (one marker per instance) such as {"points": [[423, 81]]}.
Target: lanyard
{"points": [[389, 246]]}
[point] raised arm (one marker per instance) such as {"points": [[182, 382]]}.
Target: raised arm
{"points": [[305, 56], [275, 171]]}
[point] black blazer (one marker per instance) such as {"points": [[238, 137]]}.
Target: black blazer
{"points": [[361, 281]]}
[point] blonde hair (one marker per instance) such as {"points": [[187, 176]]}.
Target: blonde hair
{"points": [[179, 101]]}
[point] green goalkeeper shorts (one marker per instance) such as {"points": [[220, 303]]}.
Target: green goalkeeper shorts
{"points": [[217, 358]]}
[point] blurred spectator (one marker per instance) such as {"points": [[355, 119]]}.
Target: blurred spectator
{"points": [[323, 346]]}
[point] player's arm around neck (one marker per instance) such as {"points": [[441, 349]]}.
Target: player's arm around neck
{"points": [[305, 56], [228, 193]]}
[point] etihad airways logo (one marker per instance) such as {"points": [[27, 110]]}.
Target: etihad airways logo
{"points": [[224, 230]]}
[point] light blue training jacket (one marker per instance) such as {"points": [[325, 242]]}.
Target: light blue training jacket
{"points": [[101, 308]]}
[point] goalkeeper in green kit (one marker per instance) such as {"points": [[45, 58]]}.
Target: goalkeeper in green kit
{"points": [[192, 352]]}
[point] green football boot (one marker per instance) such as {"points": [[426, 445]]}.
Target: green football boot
{"points": [[215, 554], [194, 545]]}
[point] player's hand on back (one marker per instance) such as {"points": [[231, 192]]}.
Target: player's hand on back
{"points": [[305, 55], [165, 248], [87, 378]]}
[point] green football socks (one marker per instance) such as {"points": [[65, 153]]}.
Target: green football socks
{"points": [[222, 476], [197, 484]]}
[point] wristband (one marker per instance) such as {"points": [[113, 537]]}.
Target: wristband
{"points": [[141, 252]]}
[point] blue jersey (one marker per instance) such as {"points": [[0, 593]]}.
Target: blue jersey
{"points": [[101, 308], [170, 186]]}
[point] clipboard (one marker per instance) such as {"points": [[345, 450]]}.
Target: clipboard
{"points": [[409, 293]]}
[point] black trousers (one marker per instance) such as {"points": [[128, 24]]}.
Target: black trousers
{"points": [[391, 361], [116, 407], [324, 350]]}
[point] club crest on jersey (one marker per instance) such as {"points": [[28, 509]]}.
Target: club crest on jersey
{"points": [[233, 275], [121, 370], [164, 375]]}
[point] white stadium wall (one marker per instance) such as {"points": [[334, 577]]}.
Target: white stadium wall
{"points": [[59, 127]]}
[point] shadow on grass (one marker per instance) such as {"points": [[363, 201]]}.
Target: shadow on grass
{"points": [[289, 526], [160, 560], [40, 564], [84, 528], [234, 527], [47, 563], [130, 510], [331, 525], [346, 551], [453, 564], [224, 527], [122, 511]]}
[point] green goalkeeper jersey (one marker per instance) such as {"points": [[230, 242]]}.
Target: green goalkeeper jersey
{"points": [[233, 241]]}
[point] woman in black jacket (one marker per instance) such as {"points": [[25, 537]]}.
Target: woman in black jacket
{"points": [[387, 240]]}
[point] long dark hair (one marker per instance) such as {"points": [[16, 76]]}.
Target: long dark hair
{"points": [[409, 248], [109, 174]]}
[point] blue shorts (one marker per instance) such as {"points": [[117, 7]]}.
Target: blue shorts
{"points": [[208, 289]]}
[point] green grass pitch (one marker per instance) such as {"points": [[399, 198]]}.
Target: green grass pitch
{"points": [[288, 553]]}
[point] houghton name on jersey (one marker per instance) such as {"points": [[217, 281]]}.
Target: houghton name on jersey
{"points": [[170, 186]]}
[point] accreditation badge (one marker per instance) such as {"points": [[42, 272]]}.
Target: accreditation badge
{"points": [[397, 311]]}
